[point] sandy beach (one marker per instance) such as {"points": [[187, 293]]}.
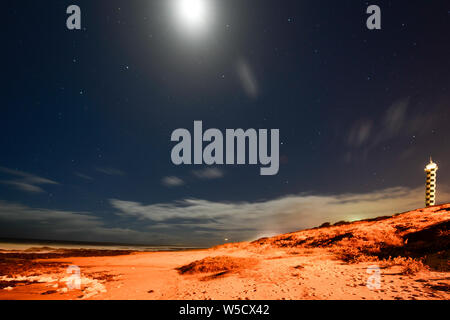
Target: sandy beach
{"points": [[331, 262]]}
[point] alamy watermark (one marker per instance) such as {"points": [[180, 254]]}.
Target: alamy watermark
{"points": [[73, 22], [73, 282], [374, 280], [374, 20], [237, 142]]}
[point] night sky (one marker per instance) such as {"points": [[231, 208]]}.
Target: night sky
{"points": [[87, 115]]}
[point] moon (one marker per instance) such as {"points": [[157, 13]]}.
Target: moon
{"points": [[193, 15]]}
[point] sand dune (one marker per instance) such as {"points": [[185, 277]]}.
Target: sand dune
{"points": [[409, 250]]}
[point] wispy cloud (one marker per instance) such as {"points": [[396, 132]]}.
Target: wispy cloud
{"points": [[208, 173], [25, 181], [400, 120], [201, 174], [23, 186], [172, 181], [83, 176], [360, 133], [247, 78], [110, 171]]}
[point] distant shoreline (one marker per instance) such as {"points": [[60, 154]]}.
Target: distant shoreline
{"points": [[29, 244]]}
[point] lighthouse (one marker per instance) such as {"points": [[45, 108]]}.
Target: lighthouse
{"points": [[430, 195]]}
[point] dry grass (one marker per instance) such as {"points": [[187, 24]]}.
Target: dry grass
{"points": [[353, 255], [409, 265], [219, 265]]}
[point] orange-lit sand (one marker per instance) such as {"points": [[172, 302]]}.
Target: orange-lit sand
{"points": [[323, 263]]}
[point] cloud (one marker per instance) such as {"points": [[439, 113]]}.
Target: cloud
{"points": [[110, 171], [400, 121], [247, 78], [17, 220], [203, 174], [395, 117], [393, 123], [211, 221], [25, 181], [17, 212], [83, 176], [172, 181], [23, 186], [360, 133], [208, 173]]}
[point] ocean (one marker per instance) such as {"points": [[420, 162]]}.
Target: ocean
{"points": [[47, 245]]}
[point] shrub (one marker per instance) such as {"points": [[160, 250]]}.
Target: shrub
{"points": [[409, 265], [217, 264]]}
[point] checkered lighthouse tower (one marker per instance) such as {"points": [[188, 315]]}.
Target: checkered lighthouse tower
{"points": [[430, 195]]}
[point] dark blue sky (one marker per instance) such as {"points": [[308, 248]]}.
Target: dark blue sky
{"points": [[87, 115]]}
